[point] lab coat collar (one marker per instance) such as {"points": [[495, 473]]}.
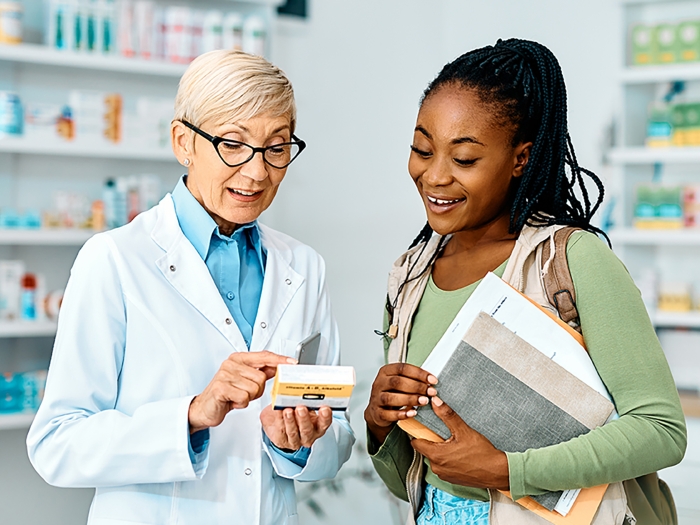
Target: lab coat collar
{"points": [[185, 269]]}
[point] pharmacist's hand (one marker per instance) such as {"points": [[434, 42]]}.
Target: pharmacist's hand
{"points": [[293, 428], [240, 380], [396, 391], [467, 458]]}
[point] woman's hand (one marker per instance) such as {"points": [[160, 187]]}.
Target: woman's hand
{"points": [[290, 429], [467, 458], [240, 380], [397, 389]]}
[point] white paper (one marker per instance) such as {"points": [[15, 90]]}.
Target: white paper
{"points": [[514, 311]]}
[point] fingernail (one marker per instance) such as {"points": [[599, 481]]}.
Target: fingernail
{"points": [[291, 361], [437, 401], [288, 415], [432, 391], [423, 400], [411, 413], [432, 379]]}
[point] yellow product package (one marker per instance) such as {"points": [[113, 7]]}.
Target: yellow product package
{"points": [[313, 386]]}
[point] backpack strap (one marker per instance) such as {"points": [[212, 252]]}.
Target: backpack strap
{"points": [[557, 281]]}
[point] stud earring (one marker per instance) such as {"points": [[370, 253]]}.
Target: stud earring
{"points": [[186, 162]]}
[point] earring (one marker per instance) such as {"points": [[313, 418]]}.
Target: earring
{"points": [[186, 162]]}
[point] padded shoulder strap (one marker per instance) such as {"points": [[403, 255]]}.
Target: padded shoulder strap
{"points": [[557, 281]]}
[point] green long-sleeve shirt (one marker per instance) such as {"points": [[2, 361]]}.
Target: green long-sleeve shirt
{"points": [[650, 434]]}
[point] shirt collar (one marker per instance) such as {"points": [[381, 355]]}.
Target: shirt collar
{"points": [[198, 226]]}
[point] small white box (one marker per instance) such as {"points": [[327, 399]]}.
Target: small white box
{"points": [[313, 386]]}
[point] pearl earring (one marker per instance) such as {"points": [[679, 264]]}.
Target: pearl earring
{"points": [[186, 162]]}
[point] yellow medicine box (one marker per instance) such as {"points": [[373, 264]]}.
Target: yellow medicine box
{"points": [[313, 386]]}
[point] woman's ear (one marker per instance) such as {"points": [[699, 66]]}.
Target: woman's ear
{"points": [[181, 140], [522, 157]]}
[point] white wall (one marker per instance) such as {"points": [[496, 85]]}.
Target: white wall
{"points": [[358, 69]]}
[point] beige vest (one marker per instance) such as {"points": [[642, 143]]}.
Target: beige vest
{"points": [[524, 271]]}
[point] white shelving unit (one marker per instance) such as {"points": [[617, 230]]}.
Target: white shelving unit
{"points": [[19, 421], [27, 329], [639, 237], [45, 237], [77, 149], [641, 155]]}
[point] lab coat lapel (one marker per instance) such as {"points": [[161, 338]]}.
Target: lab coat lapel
{"points": [[280, 284], [187, 272]]}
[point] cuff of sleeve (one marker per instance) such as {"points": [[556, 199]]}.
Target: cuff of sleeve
{"points": [[298, 457], [198, 448], [516, 474], [391, 442]]}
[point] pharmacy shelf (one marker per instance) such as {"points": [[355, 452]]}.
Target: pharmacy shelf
{"points": [[44, 55], [661, 73], [16, 421], [676, 319], [45, 237], [11, 329], [642, 155], [680, 237], [73, 149]]}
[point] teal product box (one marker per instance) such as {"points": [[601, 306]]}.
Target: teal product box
{"points": [[11, 114], [22, 392], [659, 126]]}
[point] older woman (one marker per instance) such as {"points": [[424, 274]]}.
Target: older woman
{"points": [[172, 325]]}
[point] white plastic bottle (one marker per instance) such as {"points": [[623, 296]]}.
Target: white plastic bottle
{"points": [[211, 31], [233, 31], [254, 36]]}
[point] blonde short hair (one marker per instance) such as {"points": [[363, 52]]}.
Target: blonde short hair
{"points": [[228, 86]]}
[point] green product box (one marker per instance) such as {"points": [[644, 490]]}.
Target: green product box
{"points": [[666, 44], [688, 37], [679, 125], [642, 44], [692, 124], [659, 126]]}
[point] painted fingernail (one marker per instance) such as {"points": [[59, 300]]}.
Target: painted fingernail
{"points": [[432, 391], [432, 379], [437, 401], [411, 413], [423, 400]]}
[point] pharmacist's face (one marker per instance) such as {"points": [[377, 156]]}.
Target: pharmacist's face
{"points": [[463, 161], [235, 196]]}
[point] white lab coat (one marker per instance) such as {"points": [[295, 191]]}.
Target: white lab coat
{"points": [[141, 331]]}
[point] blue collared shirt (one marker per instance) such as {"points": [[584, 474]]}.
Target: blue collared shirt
{"points": [[237, 266]]}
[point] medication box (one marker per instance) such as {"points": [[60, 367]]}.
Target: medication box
{"points": [[688, 36], [666, 44], [642, 45], [313, 386]]}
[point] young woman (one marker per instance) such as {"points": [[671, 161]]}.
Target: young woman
{"points": [[489, 157]]}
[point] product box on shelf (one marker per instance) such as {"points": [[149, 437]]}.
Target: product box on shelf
{"points": [[11, 273], [666, 44], [658, 206], [11, 22], [22, 392], [97, 116], [642, 44], [691, 206], [659, 126], [675, 297], [688, 37]]}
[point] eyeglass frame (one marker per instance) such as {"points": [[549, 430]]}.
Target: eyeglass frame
{"points": [[218, 140]]}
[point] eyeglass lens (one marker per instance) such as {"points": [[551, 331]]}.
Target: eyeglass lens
{"points": [[277, 156]]}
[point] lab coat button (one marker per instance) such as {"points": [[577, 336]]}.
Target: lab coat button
{"points": [[248, 472], [172, 267], [288, 281], [228, 320], [263, 324], [229, 296]]}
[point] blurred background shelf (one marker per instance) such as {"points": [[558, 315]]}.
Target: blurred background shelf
{"points": [[661, 73], [676, 319], [44, 55], [631, 236], [16, 421], [71, 149], [27, 329], [642, 155], [45, 237]]}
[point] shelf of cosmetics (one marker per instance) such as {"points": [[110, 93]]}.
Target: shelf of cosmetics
{"points": [[667, 299], [670, 42], [143, 29], [20, 394], [25, 300], [122, 199], [88, 118]]}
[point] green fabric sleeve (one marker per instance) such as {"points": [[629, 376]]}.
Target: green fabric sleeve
{"points": [[392, 460], [650, 434]]}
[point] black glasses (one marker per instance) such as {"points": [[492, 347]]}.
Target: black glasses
{"points": [[234, 153]]}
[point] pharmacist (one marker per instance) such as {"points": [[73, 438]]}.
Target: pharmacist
{"points": [[172, 326]]}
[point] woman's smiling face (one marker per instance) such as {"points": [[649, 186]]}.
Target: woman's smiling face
{"points": [[233, 196], [463, 161]]}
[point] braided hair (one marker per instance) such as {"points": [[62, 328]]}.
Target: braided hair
{"points": [[524, 84]]}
